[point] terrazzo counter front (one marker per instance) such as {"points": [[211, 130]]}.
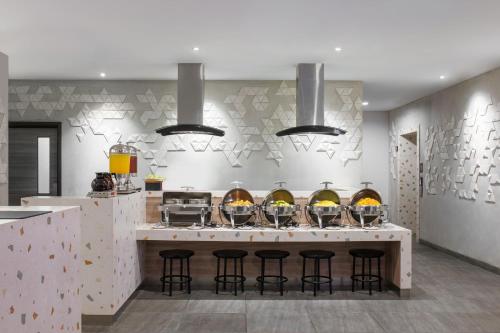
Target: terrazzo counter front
{"points": [[111, 257], [394, 240], [40, 271]]}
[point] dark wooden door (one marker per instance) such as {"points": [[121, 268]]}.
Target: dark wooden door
{"points": [[34, 160]]}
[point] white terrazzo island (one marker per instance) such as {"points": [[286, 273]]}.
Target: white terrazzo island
{"points": [[40, 271], [110, 255]]}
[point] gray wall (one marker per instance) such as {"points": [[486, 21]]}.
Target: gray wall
{"points": [[459, 132], [376, 151], [4, 127], [96, 114]]}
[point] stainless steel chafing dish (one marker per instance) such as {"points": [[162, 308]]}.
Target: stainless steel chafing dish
{"points": [[367, 214], [183, 208], [279, 206], [324, 207], [238, 206]]}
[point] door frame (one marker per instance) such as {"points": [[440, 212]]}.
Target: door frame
{"points": [[45, 124], [399, 135]]}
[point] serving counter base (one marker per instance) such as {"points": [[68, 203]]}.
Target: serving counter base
{"points": [[394, 240]]}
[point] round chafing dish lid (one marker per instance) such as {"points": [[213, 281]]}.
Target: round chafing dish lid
{"points": [[365, 193], [324, 194]]}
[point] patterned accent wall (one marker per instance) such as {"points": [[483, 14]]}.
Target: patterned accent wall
{"points": [[249, 111]]}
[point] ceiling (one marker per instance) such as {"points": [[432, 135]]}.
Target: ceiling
{"points": [[399, 48]]}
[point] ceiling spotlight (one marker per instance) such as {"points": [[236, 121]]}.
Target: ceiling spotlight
{"points": [[196, 49], [365, 103], [102, 74], [442, 77], [338, 49]]}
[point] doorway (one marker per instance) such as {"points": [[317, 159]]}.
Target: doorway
{"points": [[408, 181], [34, 160]]}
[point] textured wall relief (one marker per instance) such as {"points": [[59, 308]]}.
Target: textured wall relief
{"points": [[250, 117], [461, 153]]}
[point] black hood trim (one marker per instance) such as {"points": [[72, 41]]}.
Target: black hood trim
{"points": [[189, 129], [312, 129]]}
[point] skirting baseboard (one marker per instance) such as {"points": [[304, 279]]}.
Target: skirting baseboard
{"points": [[470, 260], [107, 319]]}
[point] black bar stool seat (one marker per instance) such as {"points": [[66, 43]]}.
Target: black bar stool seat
{"points": [[181, 278], [271, 279], [234, 278], [369, 278], [316, 279]]}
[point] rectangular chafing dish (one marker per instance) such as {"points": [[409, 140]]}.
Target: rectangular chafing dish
{"points": [[182, 209]]}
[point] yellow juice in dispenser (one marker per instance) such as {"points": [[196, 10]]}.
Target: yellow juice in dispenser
{"points": [[119, 163]]}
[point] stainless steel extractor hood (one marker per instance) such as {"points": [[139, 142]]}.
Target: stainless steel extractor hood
{"points": [[190, 95], [310, 103]]}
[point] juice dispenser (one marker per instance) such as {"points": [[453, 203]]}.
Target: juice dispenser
{"points": [[119, 164]]}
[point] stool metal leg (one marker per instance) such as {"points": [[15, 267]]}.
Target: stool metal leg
{"points": [[241, 270], [164, 272], [330, 274], [189, 277], [353, 272], [218, 274], [262, 269], [315, 285], [363, 274], [170, 279], [281, 277], [235, 264], [303, 272], [370, 275], [225, 274], [182, 271], [379, 275]]}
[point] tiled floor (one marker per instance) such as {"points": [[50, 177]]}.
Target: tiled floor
{"points": [[449, 295]]}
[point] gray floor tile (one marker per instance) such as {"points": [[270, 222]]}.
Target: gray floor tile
{"points": [[156, 305], [211, 323], [216, 306], [279, 321]]}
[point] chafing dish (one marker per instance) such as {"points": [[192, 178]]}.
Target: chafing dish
{"points": [[238, 206], [279, 206], [366, 214], [324, 207], [181, 209]]}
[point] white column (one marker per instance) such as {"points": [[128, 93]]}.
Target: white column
{"points": [[4, 129]]}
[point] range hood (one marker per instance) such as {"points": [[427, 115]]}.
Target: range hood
{"points": [[310, 103], [190, 95]]}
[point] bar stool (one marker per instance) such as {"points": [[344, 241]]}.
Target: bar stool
{"points": [[317, 279], [180, 278], [224, 278], [278, 279], [369, 278]]}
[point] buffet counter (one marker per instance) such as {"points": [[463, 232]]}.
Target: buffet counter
{"points": [[394, 240], [40, 270]]}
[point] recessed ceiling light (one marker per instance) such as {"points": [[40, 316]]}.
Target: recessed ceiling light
{"points": [[338, 49], [196, 49], [102, 74], [365, 103], [442, 77]]}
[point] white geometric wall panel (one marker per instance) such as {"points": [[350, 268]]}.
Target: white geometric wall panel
{"points": [[250, 112], [461, 153]]}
